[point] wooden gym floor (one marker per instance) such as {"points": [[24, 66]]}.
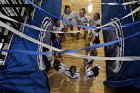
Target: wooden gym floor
{"points": [[59, 84]]}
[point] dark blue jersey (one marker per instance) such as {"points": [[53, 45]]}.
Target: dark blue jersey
{"points": [[57, 43]]}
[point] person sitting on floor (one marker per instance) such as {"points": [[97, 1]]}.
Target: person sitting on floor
{"points": [[58, 66], [91, 71], [72, 73], [95, 22], [59, 26], [92, 52], [69, 16], [56, 42], [81, 19]]}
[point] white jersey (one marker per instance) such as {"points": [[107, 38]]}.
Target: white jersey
{"points": [[94, 22], [90, 73], [69, 17], [88, 61], [81, 19], [62, 67], [62, 26], [75, 76]]}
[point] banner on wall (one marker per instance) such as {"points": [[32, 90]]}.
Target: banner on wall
{"points": [[120, 73], [21, 73]]}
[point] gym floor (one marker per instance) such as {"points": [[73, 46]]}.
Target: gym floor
{"points": [[59, 84]]}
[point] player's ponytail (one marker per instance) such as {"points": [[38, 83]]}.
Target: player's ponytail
{"points": [[95, 71]]}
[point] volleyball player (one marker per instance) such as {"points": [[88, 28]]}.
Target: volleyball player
{"points": [[91, 71], [69, 16], [92, 52], [81, 19], [56, 42], [58, 66], [72, 73], [60, 26], [95, 21]]}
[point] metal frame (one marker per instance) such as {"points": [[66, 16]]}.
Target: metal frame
{"points": [[19, 10]]}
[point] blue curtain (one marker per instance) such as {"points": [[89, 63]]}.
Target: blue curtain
{"points": [[53, 6], [21, 73], [124, 74]]}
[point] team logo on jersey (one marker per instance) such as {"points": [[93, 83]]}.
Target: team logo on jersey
{"points": [[117, 49], [46, 23]]}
